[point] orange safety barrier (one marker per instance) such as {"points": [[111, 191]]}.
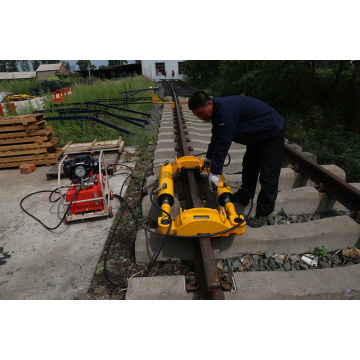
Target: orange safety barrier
{"points": [[10, 108], [58, 99]]}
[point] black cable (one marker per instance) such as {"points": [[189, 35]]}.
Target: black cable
{"points": [[114, 230], [142, 185], [226, 155], [39, 221]]}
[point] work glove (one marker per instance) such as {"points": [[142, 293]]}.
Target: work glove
{"points": [[213, 180], [207, 162]]}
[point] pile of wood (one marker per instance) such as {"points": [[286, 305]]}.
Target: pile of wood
{"points": [[111, 148], [27, 139]]}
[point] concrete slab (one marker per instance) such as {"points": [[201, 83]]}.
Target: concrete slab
{"points": [[342, 283], [334, 233], [44, 264], [159, 288]]}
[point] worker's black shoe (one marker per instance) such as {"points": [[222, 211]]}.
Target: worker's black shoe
{"points": [[257, 221], [242, 197]]}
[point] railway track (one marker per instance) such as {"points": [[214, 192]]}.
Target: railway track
{"points": [[304, 187]]}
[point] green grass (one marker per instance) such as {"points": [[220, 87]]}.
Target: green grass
{"points": [[18, 86], [86, 130]]}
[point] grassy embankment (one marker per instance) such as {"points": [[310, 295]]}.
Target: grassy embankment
{"points": [[79, 131]]}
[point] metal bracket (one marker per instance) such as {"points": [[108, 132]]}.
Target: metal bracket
{"points": [[320, 187], [225, 281], [191, 282], [356, 216]]}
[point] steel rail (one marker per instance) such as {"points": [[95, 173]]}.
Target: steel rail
{"points": [[339, 189], [207, 253], [185, 86]]}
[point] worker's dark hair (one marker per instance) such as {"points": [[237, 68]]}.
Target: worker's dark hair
{"points": [[198, 99]]}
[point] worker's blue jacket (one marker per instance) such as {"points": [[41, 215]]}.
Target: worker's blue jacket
{"points": [[241, 119]]}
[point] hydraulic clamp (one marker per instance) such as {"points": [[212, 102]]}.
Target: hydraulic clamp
{"points": [[200, 220]]}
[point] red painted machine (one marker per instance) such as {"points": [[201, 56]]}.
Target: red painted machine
{"points": [[88, 193]]}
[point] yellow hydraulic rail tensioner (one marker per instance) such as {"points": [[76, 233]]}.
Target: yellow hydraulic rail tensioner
{"points": [[196, 221]]}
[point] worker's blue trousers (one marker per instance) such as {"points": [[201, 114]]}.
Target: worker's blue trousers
{"points": [[263, 159]]}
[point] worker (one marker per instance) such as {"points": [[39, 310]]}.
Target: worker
{"points": [[251, 122]]}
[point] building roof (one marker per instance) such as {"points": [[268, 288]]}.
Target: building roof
{"points": [[17, 75], [49, 67]]}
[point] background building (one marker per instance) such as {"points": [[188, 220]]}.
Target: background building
{"points": [[46, 70], [17, 75], [155, 69]]}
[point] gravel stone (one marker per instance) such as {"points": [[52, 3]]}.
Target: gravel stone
{"points": [[303, 266], [287, 266], [324, 264], [279, 262], [268, 254], [272, 262]]}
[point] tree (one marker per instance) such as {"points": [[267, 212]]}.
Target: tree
{"points": [[357, 94], [49, 62], [67, 65], [202, 71], [116, 62], [83, 65], [24, 64], [12, 66], [35, 64], [3, 65]]}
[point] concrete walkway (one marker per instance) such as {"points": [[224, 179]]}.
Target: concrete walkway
{"points": [[44, 264]]}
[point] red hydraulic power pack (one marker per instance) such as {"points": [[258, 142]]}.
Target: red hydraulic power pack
{"points": [[87, 199]]}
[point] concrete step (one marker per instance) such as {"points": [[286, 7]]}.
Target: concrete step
{"points": [[159, 288], [288, 180], [342, 283], [333, 233], [294, 201]]}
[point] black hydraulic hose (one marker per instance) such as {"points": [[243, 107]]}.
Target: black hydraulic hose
{"points": [[116, 226], [142, 184], [108, 248], [163, 242], [39, 221], [225, 165]]}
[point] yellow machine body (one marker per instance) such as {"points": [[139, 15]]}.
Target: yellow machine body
{"points": [[187, 162], [166, 181], [157, 100], [192, 222]]}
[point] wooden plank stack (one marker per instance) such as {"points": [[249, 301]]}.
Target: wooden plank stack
{"points": [[27, 139], [112, 150]]}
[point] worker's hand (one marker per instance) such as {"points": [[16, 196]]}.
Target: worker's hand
{"points": [[207, 162], [213, 180]]}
